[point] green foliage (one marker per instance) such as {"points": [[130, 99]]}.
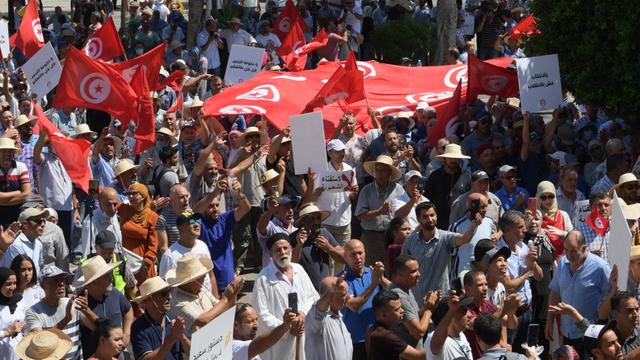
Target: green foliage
{"points": [[399, 38], [597, 44], [225, 13]]}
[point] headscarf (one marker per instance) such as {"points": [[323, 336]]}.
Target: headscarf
{"points": [[11, 302], [545, 187], [140, 217]]}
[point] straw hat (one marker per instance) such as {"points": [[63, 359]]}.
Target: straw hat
{"points": [[631, 212], [189, 268], [167, 132], [117, 143], [24, 119], [268, 176], [175, 44], [93, 269], [626, 178], [123, 166], [150, 287], [452, 151], [49, 344], [253, 130], [196, 102], [407, 115], [7, 144], [308, 210], [235, 20], [370, 167], [83, 129]]}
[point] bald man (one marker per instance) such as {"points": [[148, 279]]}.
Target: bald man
{"points": [[363, 283], [327, 335], [477, 203], [104, 218], [168, 233]]}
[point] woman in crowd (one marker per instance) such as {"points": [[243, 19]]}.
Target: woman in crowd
{"points": [[26, 280], [555, 222], [11, 316], [15, 185], [110, 340], [399, 229]]}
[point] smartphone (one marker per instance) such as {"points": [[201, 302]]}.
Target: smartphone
{"points": [[94, 187], [293, 302], [475, 207], [533, 205], [532, 334], [275, 192], [457, 286], [307, 223]]}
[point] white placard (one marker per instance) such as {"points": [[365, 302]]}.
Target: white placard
{"points": [[620, 242], [4, 39], [539, 80], [307, 139], [244, 63], [337, 181], [43, 71], [469, 25], [214, 340], [580, 214]]}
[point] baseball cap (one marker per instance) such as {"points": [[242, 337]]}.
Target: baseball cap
{"points": [[479, 175], [186, 216], [335, 145], [286, 200], [411, 174], [594, 333], [51, 271], [504, 170], [492, 254], [31, 213], [106, 240], [423, 105]]}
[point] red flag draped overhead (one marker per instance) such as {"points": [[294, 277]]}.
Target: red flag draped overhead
{"points": [[345, 85], [105, 44], [447, 115], [286, 20], [91, 84], [526, 26], [174, 80], [151, 60], [296, 56], [73, 153], [488, 79], [145, 134], [29, 38]]}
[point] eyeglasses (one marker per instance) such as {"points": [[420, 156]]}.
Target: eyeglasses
{"points": [[547, 197]]}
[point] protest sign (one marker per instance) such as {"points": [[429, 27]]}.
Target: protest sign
{"points": [[582, 211], [307, 139], [619, 254], [539, 80], [214, 340], [469, 25], [43, 71], [244, 63], [336, 181], [4, 39]]}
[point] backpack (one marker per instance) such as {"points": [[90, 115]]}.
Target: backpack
{"points": [[154, 184]]}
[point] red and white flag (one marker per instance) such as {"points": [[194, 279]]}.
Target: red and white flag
{"points": [[296, 51], [151, 60], [145, 134], [29, 38], [526, 26], [286, 20], [91, 84], [488, 79], [105, 44], [177, 105], [174, 80], [446, 116]]}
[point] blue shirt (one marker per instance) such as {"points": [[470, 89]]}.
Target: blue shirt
{"points": [[217, 235], [23, 246], [359, 322], [584, 290], [517, 265], [102, 170], [147, 336], [508, 200]]}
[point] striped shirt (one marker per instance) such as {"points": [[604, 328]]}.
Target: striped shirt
{"points": [[44, 316]]}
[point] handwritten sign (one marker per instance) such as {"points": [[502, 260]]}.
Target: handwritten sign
{"points": [[307, 140], [539, 80], [214, 341], [244, 63], [4, 39], [43, 71], [336, 181], [620, 233], [580, 214], [469, 25]]}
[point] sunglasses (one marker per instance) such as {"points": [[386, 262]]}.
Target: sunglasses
{"points": [[194, 222], [132, 193], [547, 197], [38, 221]]}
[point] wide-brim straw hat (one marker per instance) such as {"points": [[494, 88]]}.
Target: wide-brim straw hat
{"points": [[117, 143], [24, 119], [235, 20], [196, 102], [253, 130], [83, 129], [165, 131], [370, 167], [189, 268], [151, 286], [308, 210], [123, 166], [407, 115], [7, 144], [49, 344], [452, 151], [93, 269], [627, 178], [268, 176]]}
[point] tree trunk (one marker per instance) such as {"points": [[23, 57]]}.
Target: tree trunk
{"points": [[196, 16], [446, 29], [124, 10]]}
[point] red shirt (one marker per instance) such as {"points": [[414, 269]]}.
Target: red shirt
{"points": [[487, 307]]}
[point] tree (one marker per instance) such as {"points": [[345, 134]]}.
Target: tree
{"points": [[596, 42], [399, 38], [196, 16], [446, 21]]}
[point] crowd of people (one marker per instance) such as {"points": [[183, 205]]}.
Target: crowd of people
{"points": [[477, 246]]}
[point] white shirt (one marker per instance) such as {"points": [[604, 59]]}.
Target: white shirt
{"points": [[453, 348], [240, 37], [211, 53], [336, 202], [162, 9], [176, 251], [7, 319], [465, 251], [55, 183], [401, 201], [241, 350], [498, 295], [352, 20], [91, 228], [272, 40]]}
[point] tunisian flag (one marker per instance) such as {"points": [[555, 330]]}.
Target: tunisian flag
{"points": [[447, 115], [488, 79], [177, 105], [145, 134], [174, 80], [91, 84], [346, 85], [105, 44], [29, 38], [151, 61], [295, 57], [286, 20], [526, 26], [68, 150], [597, 222]]}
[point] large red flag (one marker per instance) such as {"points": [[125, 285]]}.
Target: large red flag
{"points": [[488, 79], [151, 61], [73, 153], [286, 20], [105, 44], [176, 106], [91, 84], [526, 26], [174, 80], [345, 85], [145, 134], [446, 116], [29, 38], [295, 57]]}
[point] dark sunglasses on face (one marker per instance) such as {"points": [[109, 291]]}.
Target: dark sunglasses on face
{"points": [[38, 221], [547, 197]]}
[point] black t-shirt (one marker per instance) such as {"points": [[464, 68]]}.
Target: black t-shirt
{"points": [[383, 344], [292, 182], [438, 189], [113, 307]]}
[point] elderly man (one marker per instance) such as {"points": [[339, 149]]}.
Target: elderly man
{"points": [[567, 193], [270, 297], [364, 283], [124, 176], [479, 184], [204, 179], [510, 194], [104, 157], [581, 280], [168, 233], [246, 345], [28, 242], [103, 218], [404, 206], [374, 205], [235, 35], [597, 238], [277, 219]]}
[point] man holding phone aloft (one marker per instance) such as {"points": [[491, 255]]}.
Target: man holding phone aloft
{"points": [[271, 298]]}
